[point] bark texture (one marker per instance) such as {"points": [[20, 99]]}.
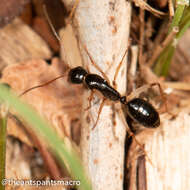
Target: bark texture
{"points": [[103, 27]]}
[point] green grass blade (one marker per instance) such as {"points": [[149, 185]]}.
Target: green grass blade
{"points": [[177, 17], [182, 21], [42, 128], [3, 126]]}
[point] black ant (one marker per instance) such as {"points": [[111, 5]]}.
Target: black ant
{"points": [[138, 109]]}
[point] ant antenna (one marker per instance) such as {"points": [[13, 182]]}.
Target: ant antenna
{"points": [[59, 39], [50, 23], [46, 83]]}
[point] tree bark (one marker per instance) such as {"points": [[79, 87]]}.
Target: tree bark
{"points": [[103, 27]]}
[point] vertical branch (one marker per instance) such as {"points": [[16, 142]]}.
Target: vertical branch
{"points": [[103, 27]]}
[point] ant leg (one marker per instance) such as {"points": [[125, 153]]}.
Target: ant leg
{"points": [[138, 91], [95, 65], [162, 95], [99, 112], [164, 98], [101, 106], [115, 86], [131, 134], [73, 9], [118, 67], [89, 100], [143, 88]]}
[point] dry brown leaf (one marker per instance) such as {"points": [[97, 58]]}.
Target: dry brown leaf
{"points": [[18, 42], [59, 102], [70, 53]]}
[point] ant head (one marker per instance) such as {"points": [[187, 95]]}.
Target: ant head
{"points": [[77, 75], [123, 100]]}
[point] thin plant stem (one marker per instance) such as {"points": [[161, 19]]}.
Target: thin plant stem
{"points": [[182, 21]]}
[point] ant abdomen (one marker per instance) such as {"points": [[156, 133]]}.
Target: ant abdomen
{"points": [[143, 112]]}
